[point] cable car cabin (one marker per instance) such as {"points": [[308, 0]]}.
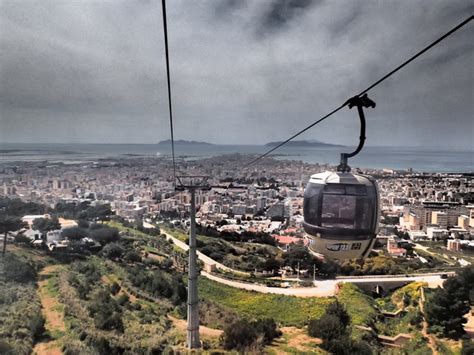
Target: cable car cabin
{"points": [[341, 214]]}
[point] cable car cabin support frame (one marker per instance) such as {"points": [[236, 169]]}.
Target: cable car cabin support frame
{"points": [[341, 209]]}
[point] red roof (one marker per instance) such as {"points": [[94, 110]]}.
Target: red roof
{"points": [[287, 239]]}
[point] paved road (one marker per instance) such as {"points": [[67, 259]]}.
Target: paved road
{"points": [[323, 288]]}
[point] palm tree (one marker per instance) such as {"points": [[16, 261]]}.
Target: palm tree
{"points": [[9, 224]]}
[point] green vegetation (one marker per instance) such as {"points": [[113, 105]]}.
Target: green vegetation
{"points": [[446, 307], [360, 306], [333, 328], [18, 270], [103, 318], [21, 321], [417, 346], [244, 335], [45, 225], [285, 310]]}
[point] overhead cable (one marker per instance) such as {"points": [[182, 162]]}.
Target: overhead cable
{"points": [[431, 45], [165, 31]]}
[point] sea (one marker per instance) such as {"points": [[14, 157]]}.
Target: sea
{"points": [[429, 159]]}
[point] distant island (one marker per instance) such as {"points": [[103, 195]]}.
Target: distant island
{"points": [[304, 143], [183, 142]]}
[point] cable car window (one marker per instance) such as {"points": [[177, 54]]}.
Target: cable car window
{"points": [[356, 190], [335, 189], [311, 203], [345, 211]]}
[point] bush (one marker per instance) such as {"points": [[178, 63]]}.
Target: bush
{"points": [[445, 310], [106, 312], [238, 335], [338, 310], [114, 288], [268, 328], [467, 347], [243, 335], [132, 256], [113, 251], [103, 234], [75, 233], [328, 327], [18, 270], [37, 323]]}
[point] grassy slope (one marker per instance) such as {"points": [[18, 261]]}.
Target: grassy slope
{"points": [[360, 306], [286, 310]]}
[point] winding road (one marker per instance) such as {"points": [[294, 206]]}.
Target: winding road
{"points": [[322, 288]]}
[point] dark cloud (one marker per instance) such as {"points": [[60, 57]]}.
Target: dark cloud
{"points": [[279, 13], [225, 7], [94, 71]]}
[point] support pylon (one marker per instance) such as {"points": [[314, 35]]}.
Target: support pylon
{"points": [[193, 301]]}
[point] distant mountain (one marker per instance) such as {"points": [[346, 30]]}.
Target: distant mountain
{"points": [[304, 143], [183, 142]]}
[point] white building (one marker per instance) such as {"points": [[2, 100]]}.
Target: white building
{"points": [[436, 233]]}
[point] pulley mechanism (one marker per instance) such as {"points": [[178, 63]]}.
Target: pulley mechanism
{"points": [[360, 102]]}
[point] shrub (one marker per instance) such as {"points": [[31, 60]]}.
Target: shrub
{"points": [[132, 256], [338, 310], [238, 335], [18, 270], [37, 323], [327, 327], [113, 251], [243, 335], [114, 288]]}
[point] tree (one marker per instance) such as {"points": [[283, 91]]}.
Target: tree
{"points": [[99, 212], [20, 238], [299, 254], [337, 309], [467, 347], [18, 270], [243, 335], [113, 251], [446, 309], [9, 224], [44, 225], [328, 327], [268, 328], [132, 256], [104, 234], [106, 312], [75, 233]]}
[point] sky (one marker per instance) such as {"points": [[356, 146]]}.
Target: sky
{"points": [[242, 71]]}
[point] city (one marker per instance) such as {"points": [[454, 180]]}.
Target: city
{"points": [[250, 234]]}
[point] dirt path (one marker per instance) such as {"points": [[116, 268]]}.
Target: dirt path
{"points": [[52, 312], [469, 326], [181, 325], [294, 340]]}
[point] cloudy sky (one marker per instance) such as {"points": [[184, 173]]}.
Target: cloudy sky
{"points": [[243, 72]]}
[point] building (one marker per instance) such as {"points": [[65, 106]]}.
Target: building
{"points": [[276, 210], [417, 235], [471, 215], [436, 233], [463, 222], [454, 245], [393, 249], [439, 218]]}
